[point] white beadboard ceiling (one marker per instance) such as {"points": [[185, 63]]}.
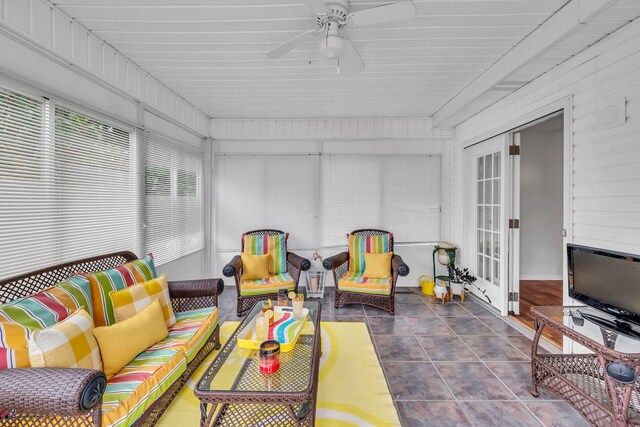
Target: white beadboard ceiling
{"points": [[213, 53]]}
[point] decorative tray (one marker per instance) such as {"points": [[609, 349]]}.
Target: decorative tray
{"points": [[284, 329]]}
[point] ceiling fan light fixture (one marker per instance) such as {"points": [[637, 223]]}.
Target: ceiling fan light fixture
{"points": [[332, 46]]}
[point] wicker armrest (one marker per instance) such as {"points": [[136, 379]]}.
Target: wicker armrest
{"points": [[196, 288], [298, 262], [336, 261], [51, 391], [233, 267], [398, 266]]}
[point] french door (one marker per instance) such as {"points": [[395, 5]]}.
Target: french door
{"points": [[485, 220]]}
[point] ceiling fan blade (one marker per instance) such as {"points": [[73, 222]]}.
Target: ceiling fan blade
{"points": [[317, 6], [378, 15], [293, 43], [350, 62]]}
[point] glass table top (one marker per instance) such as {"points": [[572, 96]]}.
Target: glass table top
{"points": [[236, 369], [600, 327]]}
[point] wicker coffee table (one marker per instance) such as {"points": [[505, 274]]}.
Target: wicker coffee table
{"points": [[233, 391]]}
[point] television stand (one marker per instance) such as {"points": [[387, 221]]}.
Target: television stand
{"points": [[601, 385]]}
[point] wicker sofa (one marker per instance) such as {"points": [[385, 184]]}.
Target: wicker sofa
{"points": [[73, 397]]}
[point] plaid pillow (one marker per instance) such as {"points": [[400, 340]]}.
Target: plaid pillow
{"points": [[132, 300], [68, 344], [104, 282]]}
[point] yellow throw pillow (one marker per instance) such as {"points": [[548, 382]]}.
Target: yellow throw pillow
{"points": [[68, 344], [377, 266], [254, 267], [122, 342], [132, 300]]}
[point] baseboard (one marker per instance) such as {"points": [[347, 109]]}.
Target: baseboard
{"points": [[540, 277]]}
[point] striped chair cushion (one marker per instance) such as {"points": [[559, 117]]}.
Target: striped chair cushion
{"points": [[21, 317], [267, 286], [275, 246], [68, 344], [132, 300], [73, 293], [353, 282], [358, 245], [103, 282], [191, 331], [139, 384]]}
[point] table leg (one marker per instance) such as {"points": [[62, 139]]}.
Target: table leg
{"points": [[534, 352]]}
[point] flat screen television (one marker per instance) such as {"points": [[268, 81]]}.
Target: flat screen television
{"points": [[606, 280]]}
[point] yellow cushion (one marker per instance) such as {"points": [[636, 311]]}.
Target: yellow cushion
{"points": [[68, 344], [122, 342], [254, 267], [377, 266], [132, 300]]}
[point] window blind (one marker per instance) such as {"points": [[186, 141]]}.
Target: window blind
{"points": [[67, 185], [396, 193], [174, 211], [267, 191]]}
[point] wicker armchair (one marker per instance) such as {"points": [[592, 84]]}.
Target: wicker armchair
{"points": [[295, 265], [339, 265], [73, 397]]}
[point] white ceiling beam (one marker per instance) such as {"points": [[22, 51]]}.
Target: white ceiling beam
{"points": [[564, 22]]}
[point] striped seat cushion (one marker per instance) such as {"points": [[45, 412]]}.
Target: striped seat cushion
{"points": [[358, 245], [115, 279], [191, 331], [275, 246], [21, 317], [134, 389], [352, 282], [267, 286]]}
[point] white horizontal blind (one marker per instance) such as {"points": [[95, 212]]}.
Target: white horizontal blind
{"points": [[267, 191], [396, 193], [174, 211], [66, 185]]}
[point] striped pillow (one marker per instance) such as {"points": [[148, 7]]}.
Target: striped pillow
{"points": [[132, 300], [104, 282], [68, 344], [21, 317], [358, 245], [275, 246], [73, 293]]}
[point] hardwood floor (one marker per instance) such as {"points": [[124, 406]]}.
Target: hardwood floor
{"points": [[539, 292]]}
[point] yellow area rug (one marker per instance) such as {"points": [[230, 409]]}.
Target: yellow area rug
{"points": [[352, 389]]}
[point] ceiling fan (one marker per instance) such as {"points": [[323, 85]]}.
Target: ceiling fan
{"points": [[333, 17]]}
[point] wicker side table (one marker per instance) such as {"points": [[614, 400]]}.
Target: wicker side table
{"points": [[601, 385]]}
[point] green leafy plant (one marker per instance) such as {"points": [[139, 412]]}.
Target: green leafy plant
{"points": [[467, 279]]}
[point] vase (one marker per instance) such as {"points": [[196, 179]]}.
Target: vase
{"points": [[456, 288]]}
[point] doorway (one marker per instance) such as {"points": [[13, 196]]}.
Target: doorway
{"points": [[537, 240]]}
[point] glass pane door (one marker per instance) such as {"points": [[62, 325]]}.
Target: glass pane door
{"points": [[484, 219]]}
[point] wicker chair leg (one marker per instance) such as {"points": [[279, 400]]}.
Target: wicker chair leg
{"points": [[239, 307]]}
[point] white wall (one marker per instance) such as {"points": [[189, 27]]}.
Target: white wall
{"points": [[604, 162], [541, 201], [333, 136]]}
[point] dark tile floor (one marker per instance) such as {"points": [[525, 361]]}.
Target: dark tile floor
{"points": [[455, 364]]}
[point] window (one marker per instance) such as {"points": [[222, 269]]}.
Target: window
{"points": [[67, 185], [267, 191], [396, 193], [174, 211]]}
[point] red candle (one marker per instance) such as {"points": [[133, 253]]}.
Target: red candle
{"points": [[269, 357]]}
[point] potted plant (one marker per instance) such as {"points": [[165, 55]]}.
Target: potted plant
{"points": [[462, 280]]}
